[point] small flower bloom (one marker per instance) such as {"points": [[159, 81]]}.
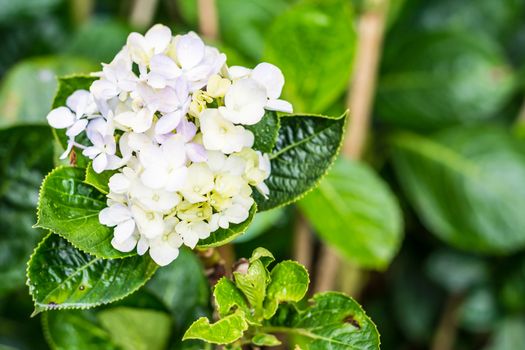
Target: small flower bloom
{"points": [[150, 223], [219, 134], [164, 165], [244, 102], [155, 41], [119, 216], [198, 184], [165, 248], [192, 232]]}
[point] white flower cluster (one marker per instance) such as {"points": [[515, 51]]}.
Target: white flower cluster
{"points": [[168, 115]]}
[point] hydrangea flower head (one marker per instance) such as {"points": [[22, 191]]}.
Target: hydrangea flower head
{"points": [[168, 116]]}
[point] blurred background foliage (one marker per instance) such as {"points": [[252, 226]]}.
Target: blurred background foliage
{"points": [[431, 218]]}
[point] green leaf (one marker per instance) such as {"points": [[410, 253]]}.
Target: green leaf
{"points": [[74, 329], [27, 91], [225, 331], [27, 8], [355, 212], [511, 284], [411, 291], [66, 86], [480, 310], [17, 240], [509, 334], [428, 89], [223, 236], [289, 282], [456, 271], [136, 329], [262, 339], [69, 84], [262, 254], [70, 207], [127, 326], [497, 19], [228, 296], [306, 147], [253, 284], [99, 181], [62, 277], [265, 132], [339, 323], [466, 186], [314, 45], [26, 155]]}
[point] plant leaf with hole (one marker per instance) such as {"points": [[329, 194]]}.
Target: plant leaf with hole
{"points": [[333, 321]]}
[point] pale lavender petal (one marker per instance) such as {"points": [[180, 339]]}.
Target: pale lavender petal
{"points": [[196, 152]]}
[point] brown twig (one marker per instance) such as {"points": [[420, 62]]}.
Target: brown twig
{"points": [[446, 332], [142, 13], [302, 245], [208, 19], [359, 100]]}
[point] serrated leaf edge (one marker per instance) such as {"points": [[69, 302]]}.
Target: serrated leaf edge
{"points": [[59, 307], [332, 160], [39, 225]]}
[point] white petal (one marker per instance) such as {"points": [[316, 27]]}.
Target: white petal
{"points": [[251, 114], [60, 118], [125, 246], [280, 106], [168, 122], [105, 217], [119, 183], [77, 128], [165, 67], [124, 230], [163, 254], [78, 101], [100, 162], [176, 179], [113, 215], [104, 90], [154, 177], [150, 224], [190, 50], [158, 37], [196, 152], [263, 189], [142, 246], [270, 77], [187, 130], [237, 72], [91, 152], [157, 81]]}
